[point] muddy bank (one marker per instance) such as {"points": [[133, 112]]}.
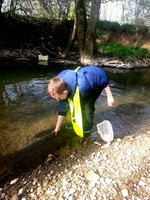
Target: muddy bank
{"points": [[26, 62]]}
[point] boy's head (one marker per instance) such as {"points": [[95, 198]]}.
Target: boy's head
{"points": [[57, 89]]}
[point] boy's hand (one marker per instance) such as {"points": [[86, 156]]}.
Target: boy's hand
{"points": [[110, 101], [55, 132]]}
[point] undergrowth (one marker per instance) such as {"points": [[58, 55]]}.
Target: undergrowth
{"points": [[120, 51]]}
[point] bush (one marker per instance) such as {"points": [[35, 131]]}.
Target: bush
{"points": [[135, 28], [128, 28], [143, 30], [109, 26], [116, 27]]}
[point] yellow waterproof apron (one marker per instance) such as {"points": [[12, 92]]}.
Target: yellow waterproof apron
{"points": [[76, 114]]}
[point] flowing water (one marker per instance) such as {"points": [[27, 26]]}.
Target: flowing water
{"points": [[28, 114]]}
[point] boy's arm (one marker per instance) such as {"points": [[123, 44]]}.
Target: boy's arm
{"points": [[63, 108], [58, 124], [110, 99]]}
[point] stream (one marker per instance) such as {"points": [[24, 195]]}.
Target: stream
{"points": [[28, 114]]}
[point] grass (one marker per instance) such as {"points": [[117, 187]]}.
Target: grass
{"points": [[120, 51]]}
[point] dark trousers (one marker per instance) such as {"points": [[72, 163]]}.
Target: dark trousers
{"points": [[88, 108]]}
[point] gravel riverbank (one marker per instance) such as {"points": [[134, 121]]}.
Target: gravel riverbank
{"points": [[95, 170]]}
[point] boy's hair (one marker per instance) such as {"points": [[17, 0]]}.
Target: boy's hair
{"points": [[57, 85]]}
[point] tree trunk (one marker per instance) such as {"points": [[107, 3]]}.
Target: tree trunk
{"points": [[12, 7], [91, 31], [86, 34], [81, 24], [71, 40]]}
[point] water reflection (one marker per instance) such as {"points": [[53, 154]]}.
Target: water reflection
{"points": [[26, 108], [131, 113]]}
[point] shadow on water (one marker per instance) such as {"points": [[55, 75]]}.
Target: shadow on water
{"points": [[44, 143]]}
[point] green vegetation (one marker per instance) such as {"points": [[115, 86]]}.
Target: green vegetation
{"points": [[109, 33], [108, 26], [116, 49], [42, 35], [124, 28], [130, 28]]}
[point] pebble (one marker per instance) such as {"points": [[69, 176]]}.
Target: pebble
{"points": [[92, 176], [115, 171], [20, 191], [124, 192], [15, 197], [14, 181], [71, 191], [142, 183]]}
